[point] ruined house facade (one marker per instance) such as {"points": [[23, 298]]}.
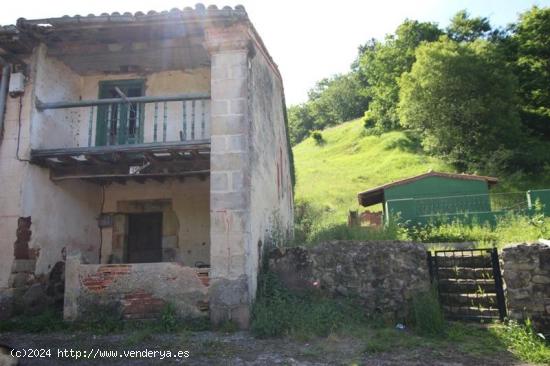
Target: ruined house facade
{"points": [[144, 160]]}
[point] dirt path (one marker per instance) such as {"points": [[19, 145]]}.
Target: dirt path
{"points": [[210, 348]]}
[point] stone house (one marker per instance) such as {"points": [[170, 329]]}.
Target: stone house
{"points": [[144, 158]]}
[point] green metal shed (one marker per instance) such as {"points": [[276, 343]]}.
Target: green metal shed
{"points": [[424, 197]]}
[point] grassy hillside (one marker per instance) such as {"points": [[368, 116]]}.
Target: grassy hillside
{"points": [[349, 161]]}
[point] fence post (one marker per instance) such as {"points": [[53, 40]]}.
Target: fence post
{"points": [[430, 266]]}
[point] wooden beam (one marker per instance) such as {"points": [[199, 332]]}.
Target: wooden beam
{"points": [[203, 174]]}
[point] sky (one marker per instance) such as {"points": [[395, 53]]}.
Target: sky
{"points": [[308, 39]]}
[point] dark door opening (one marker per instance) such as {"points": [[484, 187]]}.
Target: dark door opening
{"points": [[145, 238]]}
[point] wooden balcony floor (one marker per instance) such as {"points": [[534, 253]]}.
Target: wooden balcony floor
{"points": [[119, 163]]}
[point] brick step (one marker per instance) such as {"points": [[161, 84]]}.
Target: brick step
{"points": [[468, 286], [487, 300], [465, 273], [476, 261]]}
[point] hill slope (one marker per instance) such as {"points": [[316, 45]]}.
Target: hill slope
{"points": [[330, 175]]}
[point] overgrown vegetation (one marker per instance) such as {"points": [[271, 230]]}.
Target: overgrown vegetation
{"points": [[103, 321], [524, 342], [427, 314], [311, 228], [476, 96], [278, 312]]}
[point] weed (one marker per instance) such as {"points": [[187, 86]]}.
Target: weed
{"points": [[168, 318], [427, 314], [277, 312], [524, 342], [139, 336]]}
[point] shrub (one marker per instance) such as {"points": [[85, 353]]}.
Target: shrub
{"points": [[318, 137]]}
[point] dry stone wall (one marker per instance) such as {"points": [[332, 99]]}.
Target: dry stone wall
{"points": [[384, 275], [526, 274]]}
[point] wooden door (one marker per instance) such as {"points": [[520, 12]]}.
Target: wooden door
{"points": [[145, 238], [120, 123]]}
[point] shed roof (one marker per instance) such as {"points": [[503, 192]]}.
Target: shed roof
{"points": [[376, 195]]}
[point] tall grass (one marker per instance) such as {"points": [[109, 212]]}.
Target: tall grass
{"points": [[311, 228], [279, 312]]}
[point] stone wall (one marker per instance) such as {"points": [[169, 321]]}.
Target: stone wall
{"points": [[526, 274], [384, 275], [134, 291]]}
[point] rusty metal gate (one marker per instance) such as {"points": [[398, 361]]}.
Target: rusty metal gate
{"points": [[469, 283]]}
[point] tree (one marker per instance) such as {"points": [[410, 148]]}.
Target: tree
{"points": [[530, 41], [381, 65], [463, 28], [461, 99], [332, 101]]}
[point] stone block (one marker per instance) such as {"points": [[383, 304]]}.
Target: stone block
{"points": [[217, 144], [220, 107], [219, 181], [229, 201], [23, 265], [237, 143], [541, 279], [229, 161], [237, 106], [237, 181], [228, 89], [227, 125], [229, 59], [220, 72], [224, 222]]}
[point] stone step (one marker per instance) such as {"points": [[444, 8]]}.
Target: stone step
{"points": [[465, 273], [471, 311], [488, 300], [475, 261], [467, 286]]}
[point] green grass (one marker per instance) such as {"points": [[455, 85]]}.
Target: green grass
{"points": [[317, 319], [349, 161], [104, 322], [329, 175]]}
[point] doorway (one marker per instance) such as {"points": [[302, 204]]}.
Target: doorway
{"points": [[145, 237]]}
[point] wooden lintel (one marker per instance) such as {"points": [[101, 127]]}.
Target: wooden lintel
{"points": [[202, 175]]}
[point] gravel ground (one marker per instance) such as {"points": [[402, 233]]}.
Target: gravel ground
{"points": [[241, 348]]}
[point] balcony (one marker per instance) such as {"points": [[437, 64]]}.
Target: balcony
{"points": [[115, 139]]}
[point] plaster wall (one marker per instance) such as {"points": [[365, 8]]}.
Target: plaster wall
{"points": [[271, 202], [53, 82], [187, 229], [11, 177]]}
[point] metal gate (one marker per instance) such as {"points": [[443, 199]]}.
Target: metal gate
{"points": [[469, 283]]}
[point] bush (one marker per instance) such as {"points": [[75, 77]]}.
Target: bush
{"points": [[318, 137], [427, 314]]}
